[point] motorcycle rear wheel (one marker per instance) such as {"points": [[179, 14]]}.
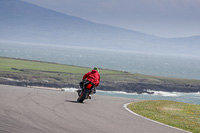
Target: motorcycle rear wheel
{"points": [[83, 95]]}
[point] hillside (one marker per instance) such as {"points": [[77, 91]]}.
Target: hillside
{"points": [[33, 73], [25, 22]]}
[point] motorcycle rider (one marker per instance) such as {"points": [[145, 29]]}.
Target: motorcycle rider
{"points": [[93, 77]]}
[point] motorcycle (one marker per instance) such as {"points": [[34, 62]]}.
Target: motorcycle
{"points": [[87, 88]]}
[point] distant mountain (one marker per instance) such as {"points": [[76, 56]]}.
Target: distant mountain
{"points": [[25, 22]]}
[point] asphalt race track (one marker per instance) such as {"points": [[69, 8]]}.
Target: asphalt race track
{"points": [[31, 110]]}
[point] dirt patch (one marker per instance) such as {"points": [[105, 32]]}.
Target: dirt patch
{"points": [[170, 109]]}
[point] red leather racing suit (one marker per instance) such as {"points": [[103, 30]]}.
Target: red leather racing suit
{"points": [[92, 76]]}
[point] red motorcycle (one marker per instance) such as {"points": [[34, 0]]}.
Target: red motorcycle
{"points": [[87, 88]]}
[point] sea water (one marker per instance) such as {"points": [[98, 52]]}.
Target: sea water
{"points": [[193, 98], [179, 66]]}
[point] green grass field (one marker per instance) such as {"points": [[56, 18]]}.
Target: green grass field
{"points": [[181, 115], [46, 73], [6, 64]]}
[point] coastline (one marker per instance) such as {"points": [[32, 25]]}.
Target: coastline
{"points": [[138, 88], [192, 97], [19, 72]]}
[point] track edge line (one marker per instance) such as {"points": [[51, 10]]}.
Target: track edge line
{"points": [[125, 106]]}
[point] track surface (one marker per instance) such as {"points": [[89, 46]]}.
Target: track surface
{"points": [[29, 110]]}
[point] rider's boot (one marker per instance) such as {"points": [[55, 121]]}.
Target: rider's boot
{"points": [[90, 96], [78, 91]]}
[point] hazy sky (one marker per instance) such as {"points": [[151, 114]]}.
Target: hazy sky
{"points": [[165, 18]]}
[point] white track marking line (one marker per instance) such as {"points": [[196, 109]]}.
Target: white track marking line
{"points": [[125, 106]]}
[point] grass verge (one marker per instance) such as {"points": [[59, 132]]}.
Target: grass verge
{"points": [[181, 115]]}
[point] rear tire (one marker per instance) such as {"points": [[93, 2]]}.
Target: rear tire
{"points": [[83, 96]]}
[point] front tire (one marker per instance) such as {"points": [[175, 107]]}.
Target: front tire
{"points": [[83, 96]]}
